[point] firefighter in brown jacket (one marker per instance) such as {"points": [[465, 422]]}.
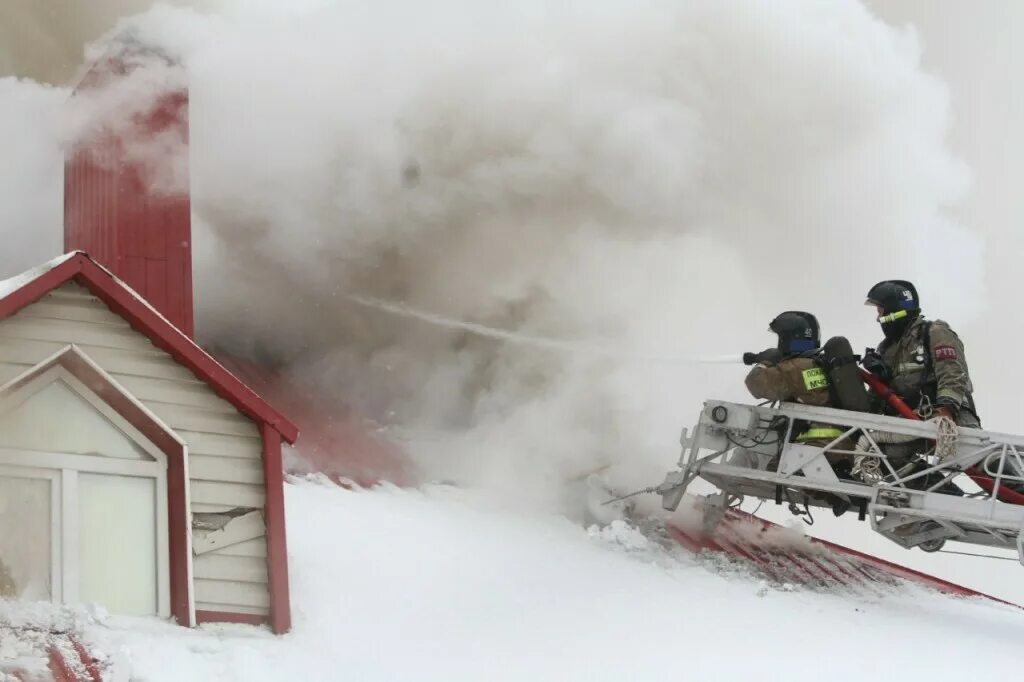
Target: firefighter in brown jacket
{"points": [[793, 371]]}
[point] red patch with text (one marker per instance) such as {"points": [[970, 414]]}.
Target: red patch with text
{"points": [[945, 353]]}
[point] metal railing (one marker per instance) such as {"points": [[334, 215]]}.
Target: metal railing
{"points": [[883, 467]]}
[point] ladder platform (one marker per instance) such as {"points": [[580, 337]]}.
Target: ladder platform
{"points": [[976, 496]]}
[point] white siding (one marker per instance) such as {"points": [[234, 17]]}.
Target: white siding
{"points": [[219, 445], [253, 548], [210, 468], [212, 593], [231, 568], [225, 464], [236, 584], [232, 608]]}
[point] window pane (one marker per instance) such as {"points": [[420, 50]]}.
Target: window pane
{"points": [[25, 537], [117, 543], [80, 429]]}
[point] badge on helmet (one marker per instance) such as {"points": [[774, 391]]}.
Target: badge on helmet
{"points": [[897, 303], [893, 295]]}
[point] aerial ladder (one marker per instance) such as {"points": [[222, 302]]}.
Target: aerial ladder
{"points": [[750, 451]]}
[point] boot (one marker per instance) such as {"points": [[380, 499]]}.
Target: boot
{"points": [[925, 482]]}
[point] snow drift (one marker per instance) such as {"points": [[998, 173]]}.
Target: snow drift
{"points": [[440, 585]]}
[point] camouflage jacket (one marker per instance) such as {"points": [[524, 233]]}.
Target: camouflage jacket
{"points": [[800, 379], [941, 374]]}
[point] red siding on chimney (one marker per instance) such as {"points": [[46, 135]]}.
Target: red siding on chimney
{"points": [[112, 213]]}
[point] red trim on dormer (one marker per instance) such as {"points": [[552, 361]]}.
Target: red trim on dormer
{"points": [[146, 320]]}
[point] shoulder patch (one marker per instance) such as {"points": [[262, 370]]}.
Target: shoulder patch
{"points": [[945, 353], [815, 379]]}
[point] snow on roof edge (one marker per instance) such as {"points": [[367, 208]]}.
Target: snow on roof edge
{"points": [[10, 285]]}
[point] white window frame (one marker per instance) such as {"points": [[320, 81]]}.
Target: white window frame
{"points": [[63, 468], [56, 519], [13, 399]]}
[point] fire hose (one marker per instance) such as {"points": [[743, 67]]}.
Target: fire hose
{"points": [[867, 467], [882, 390]]}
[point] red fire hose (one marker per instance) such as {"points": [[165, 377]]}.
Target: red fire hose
{"points": [[883, 391], [984, 481]]}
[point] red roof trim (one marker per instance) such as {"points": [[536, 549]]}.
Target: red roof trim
{"points": [[162, 333], [35, 289], [277, 544]]}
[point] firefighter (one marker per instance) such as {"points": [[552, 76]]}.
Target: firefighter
{"points": [[923, 361], [796, 370], [792, 371]]}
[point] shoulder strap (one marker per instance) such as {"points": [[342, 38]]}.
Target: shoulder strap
{"points": [[926, 339], [928, 375]]}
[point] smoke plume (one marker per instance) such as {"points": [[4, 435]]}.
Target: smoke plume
{"points": [[655, 178]]}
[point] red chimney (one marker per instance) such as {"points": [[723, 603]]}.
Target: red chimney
{"points": [[115, 207]]}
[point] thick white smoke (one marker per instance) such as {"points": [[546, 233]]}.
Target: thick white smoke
{"points": [[656, 177], [31, 211]]}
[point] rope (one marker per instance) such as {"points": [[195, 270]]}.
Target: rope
{"points": [[869, 469], [869, 466], [949, 436]]}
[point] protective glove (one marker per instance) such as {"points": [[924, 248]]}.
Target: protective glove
{"points": [[872, 362]]}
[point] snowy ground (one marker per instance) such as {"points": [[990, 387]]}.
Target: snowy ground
{"points": [[434, 584]]}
